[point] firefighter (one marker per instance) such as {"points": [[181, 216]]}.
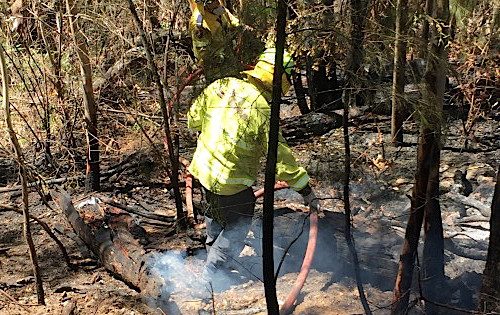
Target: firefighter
{"points": [[221, 44], [232, 116]]}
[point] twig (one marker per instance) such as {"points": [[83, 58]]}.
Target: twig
{"points": [[450, 307], [39, 182], [152, 216], [13, 300], [106, 174], [47, 229], [22, 174]]}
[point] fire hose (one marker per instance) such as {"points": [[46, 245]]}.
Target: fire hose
{"points": [[311, 244], [308, 256]]}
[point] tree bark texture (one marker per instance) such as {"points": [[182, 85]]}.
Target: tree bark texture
{"points": [[300, 92], [22, 174], [118, 251], [398, 75], [490, 289], [425, 199], [433, 282], [92, 181], [325, 88]]}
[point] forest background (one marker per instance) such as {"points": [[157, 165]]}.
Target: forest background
{"points": [[89, 111]]}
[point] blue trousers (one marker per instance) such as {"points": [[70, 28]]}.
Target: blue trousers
{"points": [[228, 220]]}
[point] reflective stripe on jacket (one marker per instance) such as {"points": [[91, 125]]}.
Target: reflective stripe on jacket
{"points": [[233, 118]]}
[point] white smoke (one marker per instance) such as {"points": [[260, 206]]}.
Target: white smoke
{"points": [[181, 274], [184, 280]]}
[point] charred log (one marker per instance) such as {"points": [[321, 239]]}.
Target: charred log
{"points": [[116, 248], [312, 124]]}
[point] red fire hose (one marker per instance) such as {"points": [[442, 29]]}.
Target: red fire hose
{"points": [[308, 257], [306, 265], [313, 217], [311, 244]]}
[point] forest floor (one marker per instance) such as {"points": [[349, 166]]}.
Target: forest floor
{"points": [[381, 182]]}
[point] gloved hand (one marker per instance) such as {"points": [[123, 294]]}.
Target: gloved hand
{"points": [[310, 198]]}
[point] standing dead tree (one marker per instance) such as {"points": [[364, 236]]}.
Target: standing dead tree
{"points": [[359, 9], [174, 159], [92, 181], [22, 174], [425, 206], [270, 175]]}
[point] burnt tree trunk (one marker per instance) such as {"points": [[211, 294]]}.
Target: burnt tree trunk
{"points": [[325, 89], [92, 180], [435, 83], [170, 141], [300, 92], [270, 175], [359, 10], [398, 75], [425, 199], [490, 289], [433, 251], [413, 227]]}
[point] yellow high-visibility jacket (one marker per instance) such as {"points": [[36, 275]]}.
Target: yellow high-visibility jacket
{"points": [[233, 118], [214, 41]]}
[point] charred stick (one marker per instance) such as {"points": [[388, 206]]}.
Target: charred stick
{"points": [[152, 216], [47, 229]]}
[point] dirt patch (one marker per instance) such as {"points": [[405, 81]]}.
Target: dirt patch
{"points": [[381, 182]]}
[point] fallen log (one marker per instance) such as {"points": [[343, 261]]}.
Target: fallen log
{"points": [[471, 253], [471, 202], [117, 250]]}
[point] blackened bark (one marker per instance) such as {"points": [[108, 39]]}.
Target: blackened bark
{"points": [[490, 289], [435, 83], [433, 251], [425, 200], [325, 88], [300, 92], [270, 176], [413, 227], [359, 9]]}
